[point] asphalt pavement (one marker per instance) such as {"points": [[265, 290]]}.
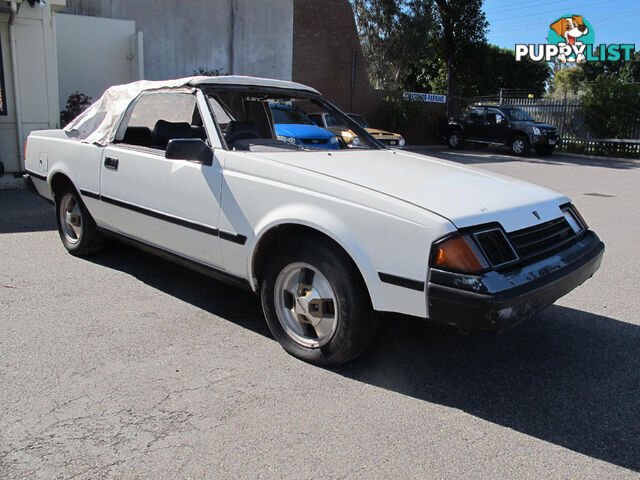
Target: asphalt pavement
{"points": [[127, 366]]}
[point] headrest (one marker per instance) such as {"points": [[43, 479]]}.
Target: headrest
{"points": [[137, 136], [165, 131]]}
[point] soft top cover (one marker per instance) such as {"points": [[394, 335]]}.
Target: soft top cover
{"points": [[99, 123]]}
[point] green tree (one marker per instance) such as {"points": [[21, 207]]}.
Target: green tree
{"points": [[393, 33], [484, 70], [612, 107], [462, 25], [569, 82]]}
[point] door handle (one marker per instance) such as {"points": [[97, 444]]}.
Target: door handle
{"points": [[111, 163]]}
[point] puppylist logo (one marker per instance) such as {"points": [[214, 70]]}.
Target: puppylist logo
{"points": [[571, 39]]}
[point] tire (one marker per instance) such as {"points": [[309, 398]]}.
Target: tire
{"points": [[519, 145], [76, 228], [455, 140], [305, 276], [545, 150]]}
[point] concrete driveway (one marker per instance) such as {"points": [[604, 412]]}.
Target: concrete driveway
{"points": [[126, 366]]}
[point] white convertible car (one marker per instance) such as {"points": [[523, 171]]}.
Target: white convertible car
{"points": [[193, 170]]}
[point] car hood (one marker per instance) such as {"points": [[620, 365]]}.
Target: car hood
{"points": [[301, 131], [375, 131], [463, 195]]}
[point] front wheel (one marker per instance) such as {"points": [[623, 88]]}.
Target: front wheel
{"points": [[76, 228], [316, 304], [520, 145]]}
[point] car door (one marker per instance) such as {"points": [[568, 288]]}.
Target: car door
{"points": [[496, 126], [475, 124], [166, 203]]}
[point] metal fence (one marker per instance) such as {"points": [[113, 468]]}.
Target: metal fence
{"points": [[568, 117]]}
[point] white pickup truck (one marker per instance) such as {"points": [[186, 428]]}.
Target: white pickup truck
{"points": [[193, 170]]}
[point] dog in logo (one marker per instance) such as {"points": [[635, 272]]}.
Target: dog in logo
{"points": [[571, 29]]}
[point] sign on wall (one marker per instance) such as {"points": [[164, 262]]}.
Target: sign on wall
{"points": [[424, 97]]}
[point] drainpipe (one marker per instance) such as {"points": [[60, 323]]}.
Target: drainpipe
{"points": [[16, 83]]}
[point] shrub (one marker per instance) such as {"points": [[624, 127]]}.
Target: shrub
{"points": [[612, 107]]}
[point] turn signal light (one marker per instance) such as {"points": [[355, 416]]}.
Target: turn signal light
{"points": [[460, 254]]}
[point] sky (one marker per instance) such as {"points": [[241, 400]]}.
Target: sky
{"points": [[527, 21]]}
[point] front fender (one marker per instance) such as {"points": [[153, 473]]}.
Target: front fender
{"points": [[324, 222]]}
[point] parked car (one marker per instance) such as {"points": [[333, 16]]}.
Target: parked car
{"points": [[338, 126], [387, 138], [191, 170], [504, 125], [295, 127]]}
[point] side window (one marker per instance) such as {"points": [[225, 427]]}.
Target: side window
{"points": [[476, 114], [494, 116], [3, 95], [158, 117]]}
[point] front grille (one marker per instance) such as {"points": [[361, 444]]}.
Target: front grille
{"points": [[314, 141], [551, 133], [541, 239], [387, 141]]}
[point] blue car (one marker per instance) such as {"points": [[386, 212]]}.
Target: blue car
{"points": [[295, 127]]}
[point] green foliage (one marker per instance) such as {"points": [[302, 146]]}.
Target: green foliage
{"points": [[486, 69], [76, 104], [612, 107], [399, 113], [393, 34], [569, 82], [209, 72]]}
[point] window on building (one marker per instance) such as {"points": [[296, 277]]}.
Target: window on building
{"points": [[3, 95]]}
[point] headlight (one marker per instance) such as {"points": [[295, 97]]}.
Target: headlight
{"points": [[333, 140], [536, 131], [291, 140], [355, 141], [401, 142], [460, 254]]}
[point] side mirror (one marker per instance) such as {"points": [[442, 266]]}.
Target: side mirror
{"points": [[191, 149]]}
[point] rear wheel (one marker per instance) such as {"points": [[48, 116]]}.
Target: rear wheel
{"points": [[455, 139], [519, 145], [316, 304], [76, 228]]}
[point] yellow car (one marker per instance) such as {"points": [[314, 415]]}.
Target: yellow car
{"points": [[337, 126], [388, 138]]}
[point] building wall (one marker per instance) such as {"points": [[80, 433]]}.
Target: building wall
{"points": [[37, 76], [243, 37], [93, 54], [325, 45]]}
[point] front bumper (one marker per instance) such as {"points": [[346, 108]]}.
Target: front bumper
{"points": [[544, 140], [498, 301]]}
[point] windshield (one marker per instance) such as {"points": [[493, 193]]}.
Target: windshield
{"points": [[518, 115], [360, 120], [289, 115], [267, 119]]}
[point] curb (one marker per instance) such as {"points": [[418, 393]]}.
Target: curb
{"points": [[598, 157]]}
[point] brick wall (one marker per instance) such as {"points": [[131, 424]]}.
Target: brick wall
{"points": [[324, 43]]}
